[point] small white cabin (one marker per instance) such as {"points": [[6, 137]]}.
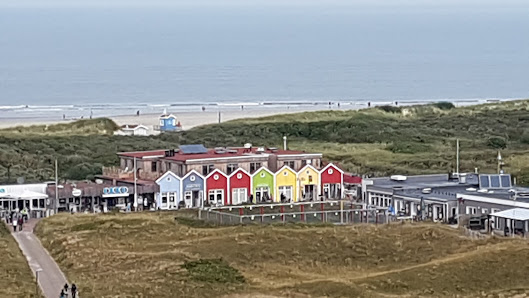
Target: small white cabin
{"points": [[133, 130]]}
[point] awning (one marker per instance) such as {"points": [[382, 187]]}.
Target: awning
{"points": [[516, 214], [28, 194]]}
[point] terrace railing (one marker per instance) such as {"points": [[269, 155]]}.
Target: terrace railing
{"points": [[334, 212]]}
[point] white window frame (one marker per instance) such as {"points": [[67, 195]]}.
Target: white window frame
{"points": [[215, 193], [286, 190], [471, 210]]}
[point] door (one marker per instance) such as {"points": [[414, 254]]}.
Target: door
{"points": [[285, 193], [197, 198], [310, 193], [262, 194], [239, 196]]}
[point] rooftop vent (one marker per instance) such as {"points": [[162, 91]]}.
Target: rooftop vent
{"points": [[398, 178], [483, 191], [169, 153], [260, 149], [426, 190], [231, 150], [462, 178], [247, 146], [273, 149], [220, 150], [471, 189]]}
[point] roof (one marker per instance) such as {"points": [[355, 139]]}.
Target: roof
{"points": [[133, 127], [141, 154], [167, 174], [424, 181], [516, 214], [165, 116], [236, 152], [350, 179], [212, 153]]}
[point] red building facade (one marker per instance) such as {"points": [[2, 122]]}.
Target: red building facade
{"points": [[217, 188], [240, 186]]}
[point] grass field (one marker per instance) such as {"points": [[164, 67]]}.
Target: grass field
{"points": [[152, 255], [16, 279]]}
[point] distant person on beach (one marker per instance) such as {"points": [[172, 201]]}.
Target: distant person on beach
{"points": [[203, 109], [91, 114], [369, 104], [63, 116], [396, 103], [62, 295], [338, 104], [138, 113], [242, 108]]}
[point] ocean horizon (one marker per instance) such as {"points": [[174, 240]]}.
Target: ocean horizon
{"points": [[118, 59]]}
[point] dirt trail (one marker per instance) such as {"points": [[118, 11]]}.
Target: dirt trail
{"points": [[306, 277]]}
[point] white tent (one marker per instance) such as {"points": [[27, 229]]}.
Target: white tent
{"points": [[28, 195], [515, 214]]}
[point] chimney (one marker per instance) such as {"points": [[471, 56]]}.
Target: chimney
{"points": [[285, 143]]}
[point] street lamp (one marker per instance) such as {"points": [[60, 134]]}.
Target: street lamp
{"points": [[37, 281]]}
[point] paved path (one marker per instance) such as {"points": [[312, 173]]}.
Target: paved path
{"points": [[51, 278]]}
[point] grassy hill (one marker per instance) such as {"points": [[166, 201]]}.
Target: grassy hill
{"points": [[16, 279], [153, 255], [377, 141]]}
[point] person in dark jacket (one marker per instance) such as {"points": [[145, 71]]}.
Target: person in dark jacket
{"points": [[20, 223], [74, 291]]}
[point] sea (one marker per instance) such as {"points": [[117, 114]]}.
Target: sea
{"points": [[64, 60]]}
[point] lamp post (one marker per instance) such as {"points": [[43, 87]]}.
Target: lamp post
{"points": [[135, 187], [37, 281]]}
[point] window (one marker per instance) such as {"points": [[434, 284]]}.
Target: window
{"points": [[291, 164], [164, 199], [254, 166], [471, 210], [41, 203], [154, 166], [206, 169], [261, 194], [232, 167], [216, 196], [484, 210], [303, 163]]}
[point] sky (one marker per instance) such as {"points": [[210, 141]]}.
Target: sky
{"points": [[255, 3]]}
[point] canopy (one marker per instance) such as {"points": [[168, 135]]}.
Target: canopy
{"points": [[28, 194], [516, 214]]}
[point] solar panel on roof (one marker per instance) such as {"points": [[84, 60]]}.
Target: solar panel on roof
{"points": [[495, 181], [505, 181], [484, 181], [193, 149]]}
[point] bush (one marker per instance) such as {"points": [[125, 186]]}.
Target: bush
{"points": [[213, 271], [497, 143], [390, 109], [444, 105], [407, 147]]}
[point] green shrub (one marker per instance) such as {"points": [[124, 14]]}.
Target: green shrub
{"points": [[213, 271], [390, 109], [444, 105], [497, 143], [408, 147]]}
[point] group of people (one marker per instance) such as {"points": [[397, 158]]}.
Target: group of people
{"points": [[17, 219], [64, 291]]}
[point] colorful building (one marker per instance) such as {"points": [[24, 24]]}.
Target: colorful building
{"points": [[331, 182], [286, 182], [263, 185], [170, 194], [193, 189], [309, 183], [217, 188], [240, 187], [168, 122]]}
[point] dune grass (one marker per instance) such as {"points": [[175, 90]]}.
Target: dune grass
{"points": [[377, 141], [152, 255], [16, 279]]}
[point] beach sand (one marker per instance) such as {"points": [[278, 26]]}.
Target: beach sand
{"points": [[189, 119]]}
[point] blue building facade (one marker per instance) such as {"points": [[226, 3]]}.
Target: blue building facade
{"points": [[170, 194], [169, 123], [193, 189]]}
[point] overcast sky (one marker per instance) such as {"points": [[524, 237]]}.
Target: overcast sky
{"points": [[368, 3]]}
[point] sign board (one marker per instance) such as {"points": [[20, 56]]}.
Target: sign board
{"points": [[76, 192], [118, 191]]}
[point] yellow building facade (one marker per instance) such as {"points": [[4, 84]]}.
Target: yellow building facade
{"points": [[286, 184], [309, 183]]}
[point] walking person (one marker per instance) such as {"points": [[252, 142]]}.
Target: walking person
{"points": [[66, 288], [74, 290], [14, 222], [62, 295], [20, 223]]}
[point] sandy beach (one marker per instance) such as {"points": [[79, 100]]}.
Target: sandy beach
{"points": [[189, 119]]}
